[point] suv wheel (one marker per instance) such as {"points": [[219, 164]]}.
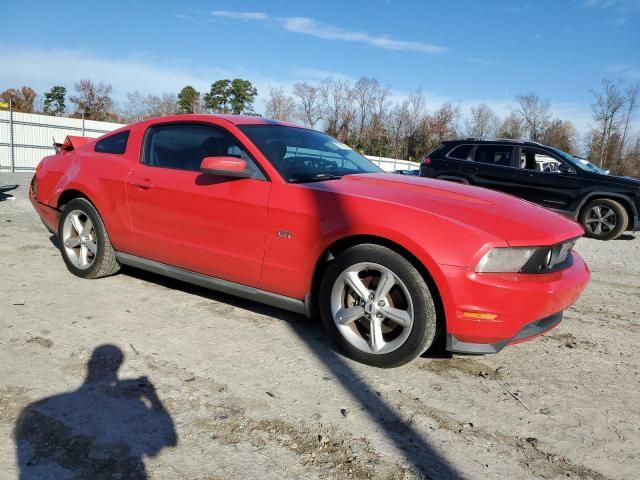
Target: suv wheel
{"points": [[377, 306], [604, 219]]}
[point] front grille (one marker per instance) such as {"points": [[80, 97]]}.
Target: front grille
{"points": [[550, 259]]}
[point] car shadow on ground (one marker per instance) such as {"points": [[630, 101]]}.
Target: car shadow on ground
{"points": [[403, 435], [103, 429], [3, 192]]}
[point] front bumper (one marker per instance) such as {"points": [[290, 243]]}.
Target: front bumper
{"points": [[529, 331], [492, 310]]}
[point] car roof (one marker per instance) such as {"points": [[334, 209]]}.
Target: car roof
{"points": [[492, 141], [234, 119]]}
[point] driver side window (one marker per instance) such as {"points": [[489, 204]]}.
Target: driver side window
{"points": [[182, 146], [538, 160]]}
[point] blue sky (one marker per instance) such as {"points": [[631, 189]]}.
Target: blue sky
{"points": [[461, 51]]}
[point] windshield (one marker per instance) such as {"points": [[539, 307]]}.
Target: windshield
{"points": [[594, 168], [302, 155], [576, 162]]}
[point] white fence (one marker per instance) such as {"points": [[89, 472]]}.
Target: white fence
{"points": [[392, 164], [27, 137]]}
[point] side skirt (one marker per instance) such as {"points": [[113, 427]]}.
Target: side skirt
{"points": [[213, 283]]}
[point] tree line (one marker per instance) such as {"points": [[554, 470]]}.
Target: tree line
{"points": [[364, 115]]}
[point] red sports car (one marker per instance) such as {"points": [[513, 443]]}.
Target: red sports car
{"points": [[291, 217]]}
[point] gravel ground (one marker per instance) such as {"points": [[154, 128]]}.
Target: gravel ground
{"points": [[213, 387]]}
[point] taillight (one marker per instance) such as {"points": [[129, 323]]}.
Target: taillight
{"points": [[34, 186], [426, 160]]}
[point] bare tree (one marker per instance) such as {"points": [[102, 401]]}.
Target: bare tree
{"points": [[397, 125], [483, 122], [337, 101], [631, 101], [534, 111], [139, 106], [22, 99], [606, 109], [417, 107], [364, 94], [136, 107], [310, 108], [511, 127], [280, 106], [163, 104], [436, 127], [561, 134], [93, 99]]}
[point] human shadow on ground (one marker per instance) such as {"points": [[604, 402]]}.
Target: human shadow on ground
{"points": [[102, 430], [396, 429]]}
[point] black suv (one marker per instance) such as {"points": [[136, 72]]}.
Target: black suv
{"points": [[605, 205]]}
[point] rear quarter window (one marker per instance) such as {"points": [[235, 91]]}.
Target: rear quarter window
{"points": [[494, 155], [461, 152], [437, 151], [116, 144]]}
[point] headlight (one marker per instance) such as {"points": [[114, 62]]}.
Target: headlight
{"points": [[527, 259], [504, 260]]}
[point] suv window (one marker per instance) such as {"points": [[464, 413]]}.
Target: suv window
{"points": [[494, 154], [113, 144], [538, 160], [183, 146], [461, 152]]}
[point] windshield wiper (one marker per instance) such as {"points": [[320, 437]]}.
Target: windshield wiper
{"points": [[318, 177]]}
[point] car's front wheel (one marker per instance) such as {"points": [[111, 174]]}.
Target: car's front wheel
{"points": [[84, 242], [604, 219], [377, 306]]}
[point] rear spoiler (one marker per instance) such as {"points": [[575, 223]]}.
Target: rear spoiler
{"points": [[70, 143]]}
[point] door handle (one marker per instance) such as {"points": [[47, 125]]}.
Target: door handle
{"points": [[144, 184]]}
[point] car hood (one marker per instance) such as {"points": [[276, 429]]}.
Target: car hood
{"points": [[615, 179], [517, 222]]}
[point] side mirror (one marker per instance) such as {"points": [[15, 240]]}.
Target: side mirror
{"points": [[562, 168], [225, 167]]}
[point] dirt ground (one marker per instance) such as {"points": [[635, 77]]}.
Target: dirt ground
{"points": [[247, 391]]}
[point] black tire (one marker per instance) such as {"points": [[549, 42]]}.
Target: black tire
{"points": [[104, 262], [604, 231], [423, 330]]}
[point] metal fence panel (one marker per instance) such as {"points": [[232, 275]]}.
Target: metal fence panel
{"points": [[34, 134], [392, 164]]}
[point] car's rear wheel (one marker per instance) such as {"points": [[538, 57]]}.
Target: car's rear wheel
{"points": [[604, 219], [377, 306], [84, 242]]}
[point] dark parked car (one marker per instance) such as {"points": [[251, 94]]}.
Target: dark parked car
{"points": [[605, 205]]}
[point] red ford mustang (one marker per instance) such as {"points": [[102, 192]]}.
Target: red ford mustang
{"points": [[293, 218]]}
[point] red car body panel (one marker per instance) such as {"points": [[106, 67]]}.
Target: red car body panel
{"points": [[271, 235]]}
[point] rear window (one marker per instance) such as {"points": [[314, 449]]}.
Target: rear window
{"points": [[494, 155], [461, 152], [113, 144], [439, 149]]}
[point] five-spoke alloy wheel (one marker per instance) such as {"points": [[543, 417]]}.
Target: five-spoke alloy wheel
{"points": [[604, 219], [377, 306], [84, 243], [79, 239]]}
